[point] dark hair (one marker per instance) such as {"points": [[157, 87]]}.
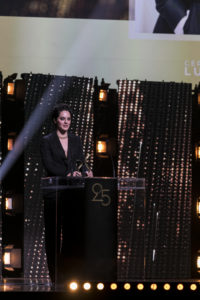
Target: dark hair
{"points": [[58, 108]]}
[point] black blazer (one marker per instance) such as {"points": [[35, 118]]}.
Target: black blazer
{"points": [[53, 156], [172, 11]]}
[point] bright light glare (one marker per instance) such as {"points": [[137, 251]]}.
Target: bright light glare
{"points": [[113, 286], [6, 258], [73, 286], [87, 286], [100, 286]]}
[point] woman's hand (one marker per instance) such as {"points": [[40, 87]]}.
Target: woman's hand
{"points": [[78, 174], [75, 174], [89, 173]]}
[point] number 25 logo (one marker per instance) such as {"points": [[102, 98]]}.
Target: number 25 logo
{"points": [[100, 194]]}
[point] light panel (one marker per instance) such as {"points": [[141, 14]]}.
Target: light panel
{"points": [[154, 136], [78, 94]]}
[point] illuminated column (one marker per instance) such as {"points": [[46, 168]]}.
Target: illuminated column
{"points": [[13, 182], [105, 130]]}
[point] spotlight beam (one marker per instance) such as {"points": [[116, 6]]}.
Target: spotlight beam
{"points": [[33, 124], [38, 116]]}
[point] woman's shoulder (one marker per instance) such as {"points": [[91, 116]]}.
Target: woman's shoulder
{"points": [[49, 136], [74, 138], [73, 135]]}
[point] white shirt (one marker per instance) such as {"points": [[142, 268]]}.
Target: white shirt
{"points": [[180, 25]]}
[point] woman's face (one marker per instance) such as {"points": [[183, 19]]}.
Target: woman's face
{"points": [[63, 121]]}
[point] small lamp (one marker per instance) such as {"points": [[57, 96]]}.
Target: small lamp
{"points": [[101, 147], [8, 203], [10, 88], [11, 140], [198, 207], [11, 258], [198, 261], [9, 84], [103, 91], [198, 99], [103, 95], [197, 151], [10, 144], [13, 203]]}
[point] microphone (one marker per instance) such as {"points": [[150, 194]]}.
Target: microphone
{"points": [[86, 161], [79, 165]]}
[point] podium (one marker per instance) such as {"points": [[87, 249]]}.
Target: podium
{"points": [[81, 226], [90, 228]]}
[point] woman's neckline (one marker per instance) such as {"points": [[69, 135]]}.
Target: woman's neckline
{"points": [[62, 136]]}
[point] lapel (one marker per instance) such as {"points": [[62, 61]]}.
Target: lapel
{"points": [[69, 146], [56, 145]]}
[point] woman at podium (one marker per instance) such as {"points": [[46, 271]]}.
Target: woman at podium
{"points": [[61, 150], [62, 156]]}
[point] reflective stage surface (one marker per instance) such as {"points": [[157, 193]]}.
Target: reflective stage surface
{"points": [[25, 285], [96, 290]]}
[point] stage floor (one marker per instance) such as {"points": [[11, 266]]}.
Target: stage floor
{"points": [[26, 285], [129, 287]]}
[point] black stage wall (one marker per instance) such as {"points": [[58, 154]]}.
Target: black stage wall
{"points": [[154, 143], [155, 120]]}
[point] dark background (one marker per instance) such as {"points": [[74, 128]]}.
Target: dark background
{"points": [[86, 9]]}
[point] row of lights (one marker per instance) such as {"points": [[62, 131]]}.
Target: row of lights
{"points": [[103, 93], [101, 145], [12, 257], [74, 286]]}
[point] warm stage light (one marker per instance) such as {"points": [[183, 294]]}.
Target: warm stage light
{"points": [[103, 95], [6, 258], [154, 286], [197, 151], [198, 262], [11, 258], [198, 207], [113, 286], [101, 147], [8, 203], [10, 88], [180, 287], [73, 286], [100, 286], [87, 286], [140, 286], [193, 286], [127, 286], [167, 287], [10, 144], [199, 99]]}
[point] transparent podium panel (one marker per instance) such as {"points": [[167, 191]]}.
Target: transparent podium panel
{"points": [[131, 229], [80, 228]]}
